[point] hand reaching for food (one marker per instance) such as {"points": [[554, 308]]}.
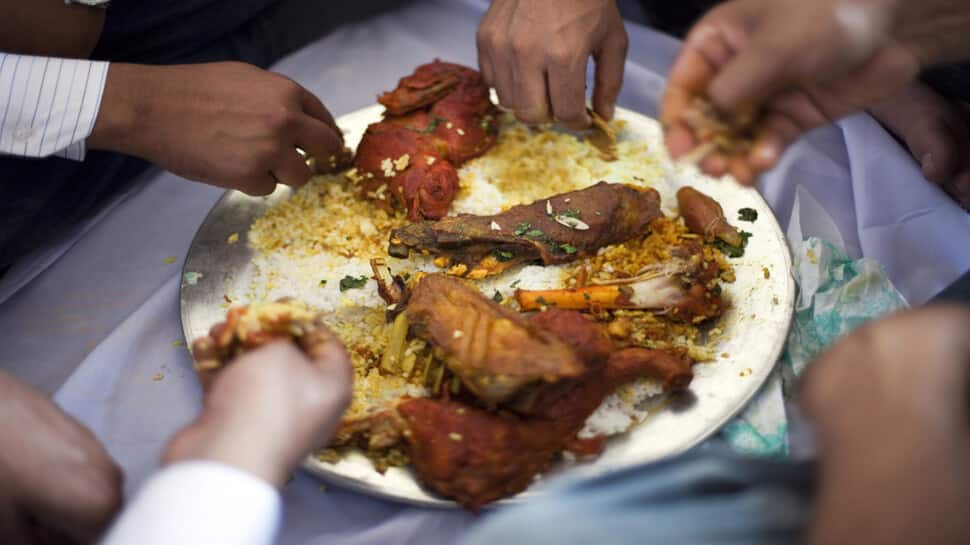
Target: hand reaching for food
{"points": [[227, 124], [936, 131], [268, 408], [534, 53], [59, 483], [898, 388], [754, 75]]}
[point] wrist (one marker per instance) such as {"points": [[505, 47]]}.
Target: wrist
{"points": [[121, 110], [198, 444]]}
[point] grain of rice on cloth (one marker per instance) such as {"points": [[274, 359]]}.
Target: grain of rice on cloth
{"points": [[325, 233]]}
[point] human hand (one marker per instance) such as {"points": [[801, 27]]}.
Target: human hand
{"points": [[792, 65], [534, 53], [227, 124], [59, 484], [890, 404], [270, 407], [936, 131]]}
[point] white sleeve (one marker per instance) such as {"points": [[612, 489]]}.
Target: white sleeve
{"points": [[48, 105], [199, 503]]}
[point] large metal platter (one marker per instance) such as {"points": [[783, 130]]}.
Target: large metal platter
{"points": [[755, 329]]}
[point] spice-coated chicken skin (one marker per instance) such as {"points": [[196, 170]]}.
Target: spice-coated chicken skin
{"points": [[437, 118]]}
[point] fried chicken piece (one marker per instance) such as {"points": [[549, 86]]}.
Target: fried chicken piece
{"points": [[476, 457], [588, 339], [556, 230], [673, 370], [493, 350], [705, 217], [438, 118]]}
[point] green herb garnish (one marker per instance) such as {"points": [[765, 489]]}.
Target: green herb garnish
{"points": [[522, 228], [535, 233], [351, 283], [747, 214], [570, 213], [568, 248], [733, 251], [497, 297], [514, 284], [433, 125], [716, 290], [323, 283], [503, 256]]}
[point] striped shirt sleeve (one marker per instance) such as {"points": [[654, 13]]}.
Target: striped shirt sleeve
{"points": [[48, 105]]}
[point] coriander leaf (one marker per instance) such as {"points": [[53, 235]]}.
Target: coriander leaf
{"points": [[733, 251], [521, 228], [570, 213], [514, 284], [568, 248], [747, 214], [350, 283], [323, 283], [497, 297], [535, 233], [503, 256]]}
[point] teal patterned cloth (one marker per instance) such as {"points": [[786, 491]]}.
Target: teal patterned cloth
{"points": [[835, 295]]}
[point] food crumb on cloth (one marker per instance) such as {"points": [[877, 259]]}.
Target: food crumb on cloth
{"points": [[192, 277]]}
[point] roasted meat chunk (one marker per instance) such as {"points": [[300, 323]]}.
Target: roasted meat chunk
{"points": [[437, 118], [705, 217], [493, 350], [556, 230], [476, 456]]}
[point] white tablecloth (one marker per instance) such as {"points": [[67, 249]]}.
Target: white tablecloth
{"points": [[104, 315]]}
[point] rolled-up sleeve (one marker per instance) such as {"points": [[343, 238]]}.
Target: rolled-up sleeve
{"points": [[48, 105], [199, 503]]}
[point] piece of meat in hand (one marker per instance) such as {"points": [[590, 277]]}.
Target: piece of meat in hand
{"points": [[556, 230], [249, 327], [493, 350]]}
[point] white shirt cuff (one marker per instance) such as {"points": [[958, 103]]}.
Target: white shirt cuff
{"points": [[199, 503], [48, 106]]}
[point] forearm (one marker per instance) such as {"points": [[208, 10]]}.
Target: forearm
{"points": [[49, 28]]}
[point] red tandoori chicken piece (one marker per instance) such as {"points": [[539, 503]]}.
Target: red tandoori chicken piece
{"points": [[437, 118], [476, 457]]}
